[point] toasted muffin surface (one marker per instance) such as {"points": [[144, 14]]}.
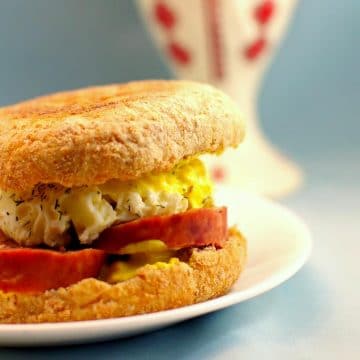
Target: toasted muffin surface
{"points": [[92, 135], [201, 275]]}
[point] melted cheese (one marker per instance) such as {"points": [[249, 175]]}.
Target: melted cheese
{"points": [[46, 213]]}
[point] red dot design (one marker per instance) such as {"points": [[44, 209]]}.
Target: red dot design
{"points": [[166, 18], [264, 12], [255, 49], [262, 15], [164, 15], [179, 53], [218, 173]]}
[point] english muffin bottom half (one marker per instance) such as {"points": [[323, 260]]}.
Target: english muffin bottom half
{"points": [[106, 208]]}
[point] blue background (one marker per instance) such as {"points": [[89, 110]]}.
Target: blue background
{"points": [[310, 107]]}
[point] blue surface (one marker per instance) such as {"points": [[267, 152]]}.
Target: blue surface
{"points": [[310, 106]]}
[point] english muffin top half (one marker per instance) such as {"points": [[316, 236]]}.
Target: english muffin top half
{"points": [[92, 135]]}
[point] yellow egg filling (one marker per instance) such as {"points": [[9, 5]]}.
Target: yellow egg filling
{"points": [[150, 252], [46, 213], [148, 246]]}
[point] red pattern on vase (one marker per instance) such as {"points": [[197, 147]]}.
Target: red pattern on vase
{"points": [[166, 18], [179, 53], [262, 15], [255, 49], [218, 173], [264, 12], [213, 23], [164, 15]]}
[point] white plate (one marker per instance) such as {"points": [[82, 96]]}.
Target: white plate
{"points": [[278, 244]]}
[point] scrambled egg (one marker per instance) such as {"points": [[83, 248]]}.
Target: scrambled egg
{"points": [[46, 214], [150, 252]]}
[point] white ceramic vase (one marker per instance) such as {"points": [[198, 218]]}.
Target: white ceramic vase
{"points": [[229, 43]]}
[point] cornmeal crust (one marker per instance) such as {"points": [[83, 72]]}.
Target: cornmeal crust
{"points": [[201, 275], [121, 131]]}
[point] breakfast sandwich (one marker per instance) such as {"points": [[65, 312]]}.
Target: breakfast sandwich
{"points": [[106, 209]]}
